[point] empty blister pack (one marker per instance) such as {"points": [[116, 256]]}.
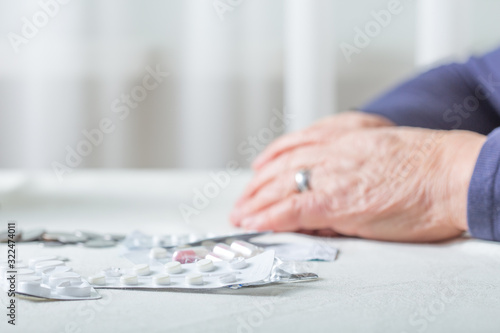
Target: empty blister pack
{"points": [[46, 277], [203, 274]]}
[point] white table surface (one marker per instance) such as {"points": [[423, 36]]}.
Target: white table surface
{"points": [[372, 287]]}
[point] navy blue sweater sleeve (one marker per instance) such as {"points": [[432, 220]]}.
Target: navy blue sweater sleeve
{"points": [[483, 202], [458, 96], [455, 96]]}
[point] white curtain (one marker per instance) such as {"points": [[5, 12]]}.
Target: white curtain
{"points": [[233, 65]]}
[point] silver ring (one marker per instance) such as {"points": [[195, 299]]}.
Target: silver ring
{"points": [[302, 180]]}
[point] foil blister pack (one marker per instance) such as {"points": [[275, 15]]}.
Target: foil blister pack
{"points": [[202, 274], [45, 277]]}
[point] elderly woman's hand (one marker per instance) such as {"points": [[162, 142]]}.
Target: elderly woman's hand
{"points": [[368, 179]]}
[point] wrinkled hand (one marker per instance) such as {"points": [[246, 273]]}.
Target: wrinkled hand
{"points": [[368, 179]]}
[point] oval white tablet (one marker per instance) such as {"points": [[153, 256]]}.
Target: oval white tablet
{"points": [[158, 253], [129, 280], [238, 263], [227, 278], [161, 279], [194, 279], [173, 267], [98, 280], [205, 265], [141, 269]]}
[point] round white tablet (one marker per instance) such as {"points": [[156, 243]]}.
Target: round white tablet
{"points": [[238, 263], [158, 253], [194, 279], [161, 279], [98, 280], [205, 265], [142, 269], [173, 267], [129, 280]]}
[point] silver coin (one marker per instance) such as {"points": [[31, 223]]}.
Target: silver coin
{"points": [[32, 235], [53, 236], [88, 234], [96, 243]]}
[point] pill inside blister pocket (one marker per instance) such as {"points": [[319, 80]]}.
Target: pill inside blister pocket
{"points": [[98, 280], [194, 279], [205, 265], [161, 279], [244, 248], [224, 251], [129, 280], [142, 269], [158, 253], [173, 267]]}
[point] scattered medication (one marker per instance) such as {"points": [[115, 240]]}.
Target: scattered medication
{"points": [[205, 265], [173, 267]]}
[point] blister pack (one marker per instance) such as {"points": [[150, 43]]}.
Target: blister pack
{"points": [[45, 277], [202, 274]]}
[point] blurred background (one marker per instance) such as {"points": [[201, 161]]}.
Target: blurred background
{"points": [[234, 68]]}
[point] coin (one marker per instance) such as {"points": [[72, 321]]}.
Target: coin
{"points": [[72, 239]]}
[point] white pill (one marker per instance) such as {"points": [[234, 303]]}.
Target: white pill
{"points": [[129, 280], [173, 267], [194, 279], [98, 280], [224, 251], [57, 278], [227, 278], [214, 257], [74, 289], [158, 253], [205, 265], [161, 279], [142, 269], [246, 249], [41, 266], [33, 261], [238, 263]]}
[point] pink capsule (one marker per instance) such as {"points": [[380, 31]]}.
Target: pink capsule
{"points": [[189, 255]]}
